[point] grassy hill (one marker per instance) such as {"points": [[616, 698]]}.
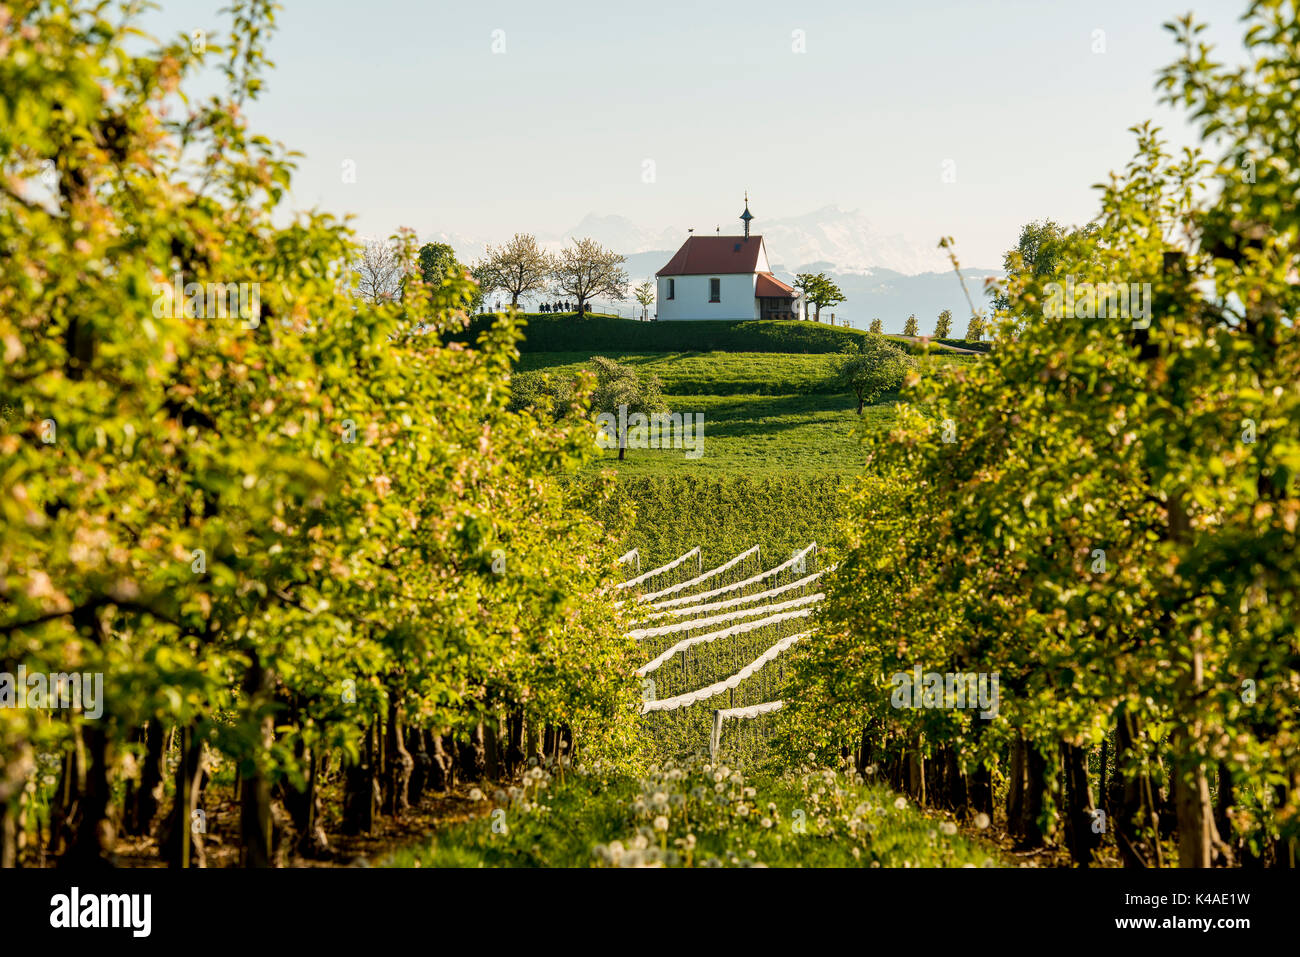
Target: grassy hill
{"points": [[781, 433], [763, 412]]}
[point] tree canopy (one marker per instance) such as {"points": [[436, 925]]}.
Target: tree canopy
{"points": [[275, 518], [518, 268], [1104, 512], [585, 270], [943, 325], [876, 367], [819, 291]]}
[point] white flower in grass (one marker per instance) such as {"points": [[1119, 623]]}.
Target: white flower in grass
{"points": [[718, 777], [639, 806], [857, 854], [751, 853], [766, 822], [948, 828], [499, 796], [737, 778], [750, 792], [870, 769], [475, 794], [900, 803], [742, 810], [812, 757], [982, 820], [724, 771], [616, 850], [719, 787], [536, 774], [659, 799], [661, 823], [639, 843], [771, 806]]}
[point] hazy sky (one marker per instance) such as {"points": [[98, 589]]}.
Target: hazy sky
{"points": [[448, 135]]}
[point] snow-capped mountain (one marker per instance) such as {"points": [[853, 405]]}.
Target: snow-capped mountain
{"points": [[847, 242]]}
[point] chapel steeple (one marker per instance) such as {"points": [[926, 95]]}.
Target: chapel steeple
{"points": [[746, 216]]}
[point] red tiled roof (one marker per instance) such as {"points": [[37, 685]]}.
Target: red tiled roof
{"points": [[769, 286], [719, 255]]}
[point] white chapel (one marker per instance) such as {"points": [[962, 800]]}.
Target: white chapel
{"points": [[724, 277]]}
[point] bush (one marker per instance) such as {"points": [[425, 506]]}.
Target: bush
{"points": [[873, 369], [544, 392]]}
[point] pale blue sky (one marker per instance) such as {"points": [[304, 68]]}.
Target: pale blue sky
{"points": [[449, 136]]}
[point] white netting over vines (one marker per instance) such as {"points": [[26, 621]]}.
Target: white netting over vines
{"points": [[761, 596], [722, 714], [699, 579], [656, 572], [714, 650], [797, 561], [734, 630], [691, 625], [690, 697]]}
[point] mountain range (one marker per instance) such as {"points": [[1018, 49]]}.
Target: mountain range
{"points": [[883, 276]]}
